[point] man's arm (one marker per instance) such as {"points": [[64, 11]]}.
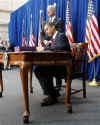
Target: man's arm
{"points": [[60, 43]]}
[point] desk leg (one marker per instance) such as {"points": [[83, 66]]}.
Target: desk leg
{"points": [[30, 74], [24, 78], [1, 84], [68, 87]]}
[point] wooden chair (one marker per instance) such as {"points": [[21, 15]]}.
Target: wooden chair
{"points": [[78, 65]]}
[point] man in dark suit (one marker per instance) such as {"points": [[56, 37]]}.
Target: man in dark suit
{"points": [[51, 10], [45, 74]]}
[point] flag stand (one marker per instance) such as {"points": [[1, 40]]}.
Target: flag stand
{"points": [[94, 82]]}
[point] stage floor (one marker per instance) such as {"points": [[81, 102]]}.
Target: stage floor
{"points": [[85, 111]]}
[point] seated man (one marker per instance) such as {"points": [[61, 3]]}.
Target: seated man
{"points": [[45, 74], [46, 41]]}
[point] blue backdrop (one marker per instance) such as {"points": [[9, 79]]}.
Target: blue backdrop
{"points": [[79, 10]]}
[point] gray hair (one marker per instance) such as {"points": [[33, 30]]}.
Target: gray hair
{"points": [[52, 7]]}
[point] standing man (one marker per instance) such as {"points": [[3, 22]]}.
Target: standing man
{"points": [[59, 23], [45, 74]]}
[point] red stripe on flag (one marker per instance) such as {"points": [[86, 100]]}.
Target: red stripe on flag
{"points": [[87, 28], [70, 29], [96, 29], [87, 38], [69, 32], [93, 45], [70, 26], [94, 36], [69, 38], [24, 42], [32, 41], [94, 24], [90, 53]]}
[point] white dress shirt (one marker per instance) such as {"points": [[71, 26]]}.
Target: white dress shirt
{"points": [[52, 19], [54, 36]]}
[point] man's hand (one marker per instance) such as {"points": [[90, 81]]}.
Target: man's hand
{"points": [[46, 43], [40, 49]]}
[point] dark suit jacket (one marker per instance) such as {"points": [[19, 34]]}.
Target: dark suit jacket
{"points": [[60, 43], [59, 23]]}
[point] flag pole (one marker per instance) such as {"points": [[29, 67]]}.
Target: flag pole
{"points": [[41, 18], [94, 82]]}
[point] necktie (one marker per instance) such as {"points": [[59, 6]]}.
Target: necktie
{"points": [[52, 41]]}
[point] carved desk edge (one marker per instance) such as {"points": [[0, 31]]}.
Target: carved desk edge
{"points": [[35, 58]]}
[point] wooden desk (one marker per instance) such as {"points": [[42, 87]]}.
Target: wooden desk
{"points": [[25, 60]]}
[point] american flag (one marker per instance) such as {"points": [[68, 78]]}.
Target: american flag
{"points": [[92, 33], [32, 42], [24, 42], [40, 42], [69, 33]]}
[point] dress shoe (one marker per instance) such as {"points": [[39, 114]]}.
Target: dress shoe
{"points": [[49, 101]]}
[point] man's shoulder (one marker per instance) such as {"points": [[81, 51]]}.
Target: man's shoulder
{"points": [[58, 20], [61, 34]]}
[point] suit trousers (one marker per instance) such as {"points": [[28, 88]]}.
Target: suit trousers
{"points": [[45, 76]]}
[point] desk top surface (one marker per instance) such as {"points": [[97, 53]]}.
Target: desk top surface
{"points": [[35, 52]]}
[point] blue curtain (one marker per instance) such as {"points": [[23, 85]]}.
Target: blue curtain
{"points": [[79, 10], [13, 29]]}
